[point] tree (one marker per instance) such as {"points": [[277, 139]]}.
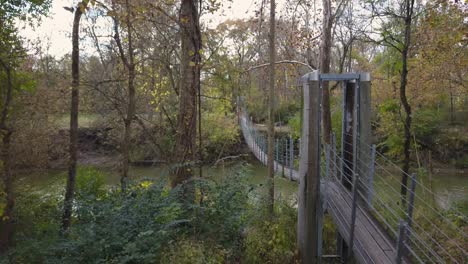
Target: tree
{"points": [[12, 54], [396, 25], [324, 67], [271, 111], [189, 87], [73, 147], [131, 101], [6, 229]]}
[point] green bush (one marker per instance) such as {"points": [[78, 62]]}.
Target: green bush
{"points": [[89, 182], [147, 224], [295, 124], [270, 240], [188, 251]]}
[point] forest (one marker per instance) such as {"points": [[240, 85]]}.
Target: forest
{"points": [[128, 148]]}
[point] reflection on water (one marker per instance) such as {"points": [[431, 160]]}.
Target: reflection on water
{"points": [[450, 187]]}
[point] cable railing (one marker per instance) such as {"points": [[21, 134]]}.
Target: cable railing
{"points": [[423, 225]]}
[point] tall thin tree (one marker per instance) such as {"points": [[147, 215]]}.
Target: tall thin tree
{"points": [[129, 64], [408, 17], [73, 145], [271, 111], [324, 67]]}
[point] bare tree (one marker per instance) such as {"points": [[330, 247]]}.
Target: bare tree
{"points": [[73, 147], [324, 67], [408, 16], [130, 66], [396, 24], [271, 112]]}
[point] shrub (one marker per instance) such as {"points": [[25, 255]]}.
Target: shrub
{"points": [[271, 240], [147, 224], [89, 183], [188, 251]]}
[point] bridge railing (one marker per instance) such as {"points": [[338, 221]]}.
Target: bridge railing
{"points": [[426, 233], [285, 152]]}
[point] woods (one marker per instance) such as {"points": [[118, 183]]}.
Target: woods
{"points": [[126, 146]]}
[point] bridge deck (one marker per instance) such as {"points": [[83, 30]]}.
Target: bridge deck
{"points": [[371, 242]]}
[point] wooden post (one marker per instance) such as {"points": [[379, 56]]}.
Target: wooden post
{"points": [[334, 171], [284, 154], [401, 241], [291, 157], [264, 151], [276, 154], [327, 175], [309, 172], [353, 214], [363, 130], [411, 199], [347, 139], [370, 194]]}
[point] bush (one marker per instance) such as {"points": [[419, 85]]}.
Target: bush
{"points": [[89, 183], [188, 251], [148, 224], [271, 240]]}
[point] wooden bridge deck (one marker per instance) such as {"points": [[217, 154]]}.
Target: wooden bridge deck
{"points": [[371, 242]]}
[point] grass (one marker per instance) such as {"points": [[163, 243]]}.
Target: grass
{"points": [[84, 120]]}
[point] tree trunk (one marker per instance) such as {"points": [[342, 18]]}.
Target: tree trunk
{"points": [[325, 52], [73, 147], [404, 100], [189, 86], [6, 218], [271, 112], [130, 65]]}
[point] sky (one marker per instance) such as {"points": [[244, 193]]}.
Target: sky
{"points": [[55, 30]]}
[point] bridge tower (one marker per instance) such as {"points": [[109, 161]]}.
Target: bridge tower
{"points": [[355, 135]]}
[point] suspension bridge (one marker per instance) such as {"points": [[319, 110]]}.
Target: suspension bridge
{"points": [[357, 185]]}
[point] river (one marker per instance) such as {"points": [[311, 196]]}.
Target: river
{"points": [[449, 186]]}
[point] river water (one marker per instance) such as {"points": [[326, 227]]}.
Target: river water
{"points": [[449, 186]]}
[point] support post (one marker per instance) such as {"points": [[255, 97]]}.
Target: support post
{"points": [[334, 154], [348, 132], [309, 172], [401, 241], [353, 214], [327, 161], [276, 154], [327, 177], [411, 199], [261, 148], [284, 154], [291, 157], [370, 194], [363, 129]]}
